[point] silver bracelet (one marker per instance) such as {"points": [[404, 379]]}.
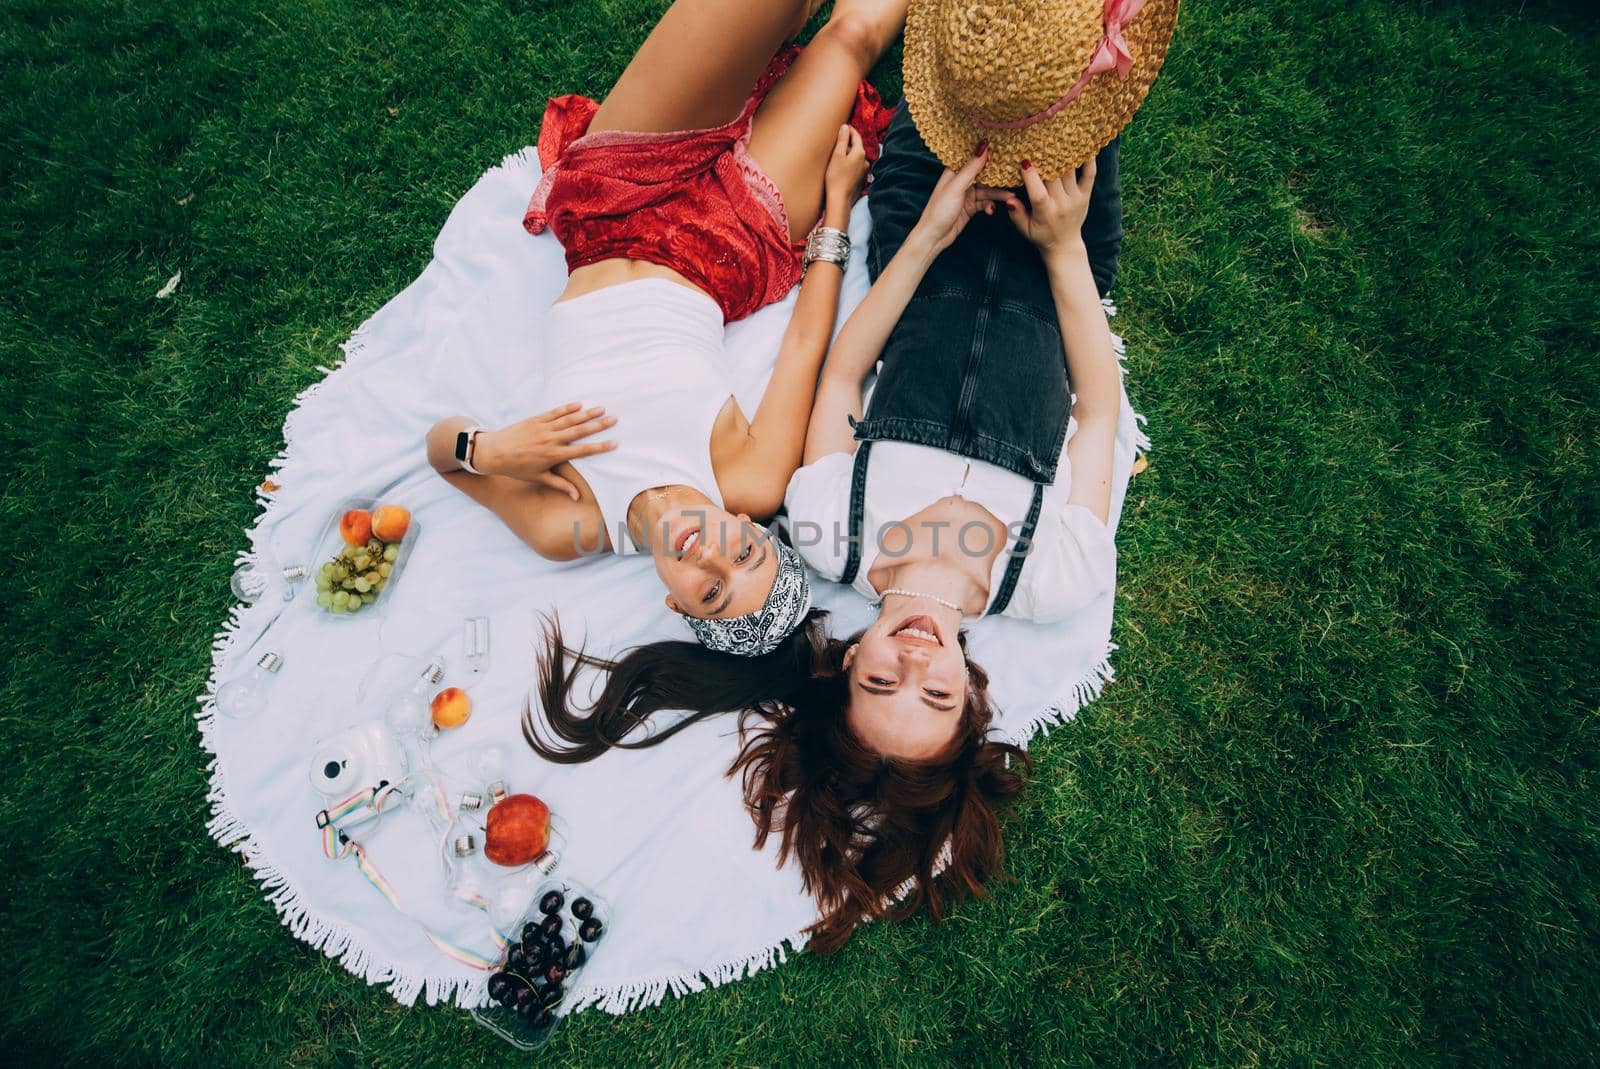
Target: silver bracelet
{"points": [[829, 244]]}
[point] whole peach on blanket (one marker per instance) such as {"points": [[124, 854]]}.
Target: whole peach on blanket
{"points": [[451, 707], [518, 830]]}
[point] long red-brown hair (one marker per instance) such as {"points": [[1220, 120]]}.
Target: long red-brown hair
{"points": [[874, 836]]}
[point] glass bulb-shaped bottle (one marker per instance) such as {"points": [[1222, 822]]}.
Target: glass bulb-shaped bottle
{"points": [[492, 763], [262, 576], [246, 696], [409, 714], [248, 582], [464, 877]]}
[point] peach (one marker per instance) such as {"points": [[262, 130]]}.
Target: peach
{"points": [[355, 527], [518, 830], [389, 522], [451, 707]]}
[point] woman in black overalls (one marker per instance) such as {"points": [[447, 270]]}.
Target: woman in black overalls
{"points": [[973, 367], [978, 328]]}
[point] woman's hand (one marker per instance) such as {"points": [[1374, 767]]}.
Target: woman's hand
{"points": [[954, 200], [529, 449], [1053, 219], [847, 168]]}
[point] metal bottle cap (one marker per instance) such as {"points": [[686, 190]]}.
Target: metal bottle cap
{"points": [[433, 673], [465, 846], [471, 800], [270, 662], [547, 861], [498, 790], [294, 572]]}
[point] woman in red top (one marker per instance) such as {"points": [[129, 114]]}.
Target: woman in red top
{"points": [[683, 202]]}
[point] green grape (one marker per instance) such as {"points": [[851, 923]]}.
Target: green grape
{"points": [[374, 545], [362, 562], [354, 606], [340, 597], [349, 584], [324, 583], [368, 599], [340, 609], [362, 585], [379, 585], [324, 600], [391, 552], [327, 569], [384, 569]]}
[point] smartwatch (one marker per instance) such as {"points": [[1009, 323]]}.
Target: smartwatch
{"points": [[466, 444]]}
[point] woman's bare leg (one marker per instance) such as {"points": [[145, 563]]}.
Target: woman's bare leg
{"points": [[698, 65], [798, 122]]}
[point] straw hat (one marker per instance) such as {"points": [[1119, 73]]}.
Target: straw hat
{"points": [[1051, 81]]}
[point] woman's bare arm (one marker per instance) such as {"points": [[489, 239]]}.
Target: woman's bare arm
{"points": [[1096, 380], [855, 352], [757, 475], [1053, 221], [543, 514]]}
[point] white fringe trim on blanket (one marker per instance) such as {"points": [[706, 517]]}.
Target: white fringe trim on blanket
{"points": [[406, 985]]}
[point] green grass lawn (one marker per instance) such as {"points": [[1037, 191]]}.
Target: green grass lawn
{"points": [[1340, 806]]}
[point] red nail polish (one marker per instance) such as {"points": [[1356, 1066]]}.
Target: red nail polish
{"points": [[1027, 165], [983, 146]]}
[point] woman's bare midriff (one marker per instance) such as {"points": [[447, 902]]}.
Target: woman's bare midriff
{"points": [[607, 273]]}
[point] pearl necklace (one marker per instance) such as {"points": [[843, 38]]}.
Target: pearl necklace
{"points": [[936, 599]]}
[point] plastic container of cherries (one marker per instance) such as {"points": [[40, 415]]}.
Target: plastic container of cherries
{"points": [[561, 931]]}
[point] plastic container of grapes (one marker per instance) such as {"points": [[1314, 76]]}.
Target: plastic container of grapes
{"points": [[329, 544], [525, 1032]]}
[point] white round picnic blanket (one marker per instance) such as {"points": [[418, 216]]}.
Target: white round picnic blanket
{"points": [[661, 833]]}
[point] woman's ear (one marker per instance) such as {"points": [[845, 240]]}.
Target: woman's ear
{"points": [[673, 605], [850, 656]]}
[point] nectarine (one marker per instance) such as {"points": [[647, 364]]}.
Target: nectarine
{"points": [[518, 830], [451, 707], [355, 527], [389, 522]]}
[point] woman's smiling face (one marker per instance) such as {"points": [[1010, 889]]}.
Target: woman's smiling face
{"points": [[715, 564], [908, 685]]}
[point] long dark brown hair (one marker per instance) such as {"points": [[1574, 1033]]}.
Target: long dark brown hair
{"points": [[875, 836]]}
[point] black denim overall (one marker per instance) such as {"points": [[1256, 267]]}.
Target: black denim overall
{"points": [[975, 366]]}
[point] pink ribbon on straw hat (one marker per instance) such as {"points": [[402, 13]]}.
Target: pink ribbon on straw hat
{"points": [[1112, 53]]}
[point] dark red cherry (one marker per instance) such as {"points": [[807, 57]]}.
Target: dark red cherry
{"points": [[544, 1020], [576, 956], [530, 932], [590, 929], [551, 925], [537, 956], [555, 972], [552, 995], [499, 984], [582, 908], [516, 959], [552, 902]]}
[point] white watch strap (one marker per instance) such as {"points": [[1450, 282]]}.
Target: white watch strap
{"points": [[472, 445]]}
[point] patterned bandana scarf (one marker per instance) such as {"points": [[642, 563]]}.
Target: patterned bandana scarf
{"points": [[760, 632]]}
